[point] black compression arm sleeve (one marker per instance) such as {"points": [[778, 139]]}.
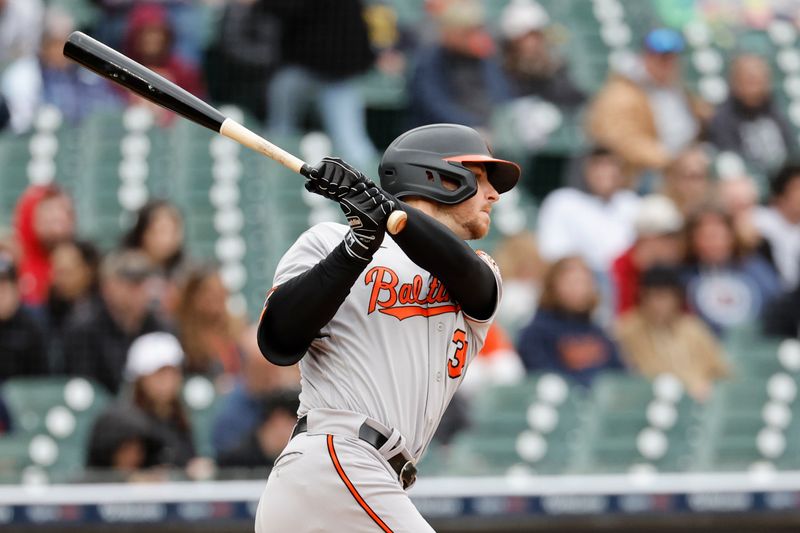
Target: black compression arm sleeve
{"points": [[298, 309], [468, 279]]}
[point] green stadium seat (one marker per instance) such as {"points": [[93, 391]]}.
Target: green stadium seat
{"points": [[729, 425], [618, 432], [201, 400], [482, 455], [31, 400], [434, 462], [13, 457]]}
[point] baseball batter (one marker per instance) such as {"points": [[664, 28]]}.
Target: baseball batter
{"points": [[383, 326]]}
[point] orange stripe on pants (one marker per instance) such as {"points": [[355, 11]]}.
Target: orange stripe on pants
{"points": [[352, 489]]}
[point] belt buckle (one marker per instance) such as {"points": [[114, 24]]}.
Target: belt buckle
{"points": [[408, 474]]}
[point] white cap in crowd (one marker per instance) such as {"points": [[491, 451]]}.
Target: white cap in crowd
{"points": [[657, 215], [152, 352], [522, 16]]}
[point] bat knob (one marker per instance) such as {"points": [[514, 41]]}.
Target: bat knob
{"points": [[397, 221]]}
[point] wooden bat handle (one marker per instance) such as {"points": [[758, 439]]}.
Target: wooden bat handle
{"points": [[233, 130], [239, 133]]}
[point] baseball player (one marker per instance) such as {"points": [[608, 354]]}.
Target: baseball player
{"points": [[383, 326]]}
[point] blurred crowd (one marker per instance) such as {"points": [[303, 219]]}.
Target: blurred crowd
{"points": [[643, 260]]}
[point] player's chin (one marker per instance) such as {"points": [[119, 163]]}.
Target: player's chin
{"points": [[479, 228]]}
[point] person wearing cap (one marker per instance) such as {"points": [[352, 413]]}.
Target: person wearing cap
{"points": [[644, 113], [97, 339], [594, 221], [529, 61], [458, 79], [658, 337], [22, 348], [153, 374], [750, 122], [659, 241]]}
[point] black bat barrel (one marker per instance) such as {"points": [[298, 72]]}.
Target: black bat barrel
{"points": [[120, 69]]}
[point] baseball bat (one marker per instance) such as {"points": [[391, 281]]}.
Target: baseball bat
{"points": [[126, 72]]}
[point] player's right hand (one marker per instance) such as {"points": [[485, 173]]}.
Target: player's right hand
{"points": [[334, 178], [367, 209]]}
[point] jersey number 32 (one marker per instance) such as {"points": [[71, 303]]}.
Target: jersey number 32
{"points": [[455, 363]]}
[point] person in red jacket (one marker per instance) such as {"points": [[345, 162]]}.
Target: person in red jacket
{"points": [[659, 241], [44, 218]]}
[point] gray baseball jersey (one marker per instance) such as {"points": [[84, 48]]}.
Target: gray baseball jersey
{"points": [[397, 348]]}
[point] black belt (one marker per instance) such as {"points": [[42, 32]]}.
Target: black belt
{"points": [[406, 471]]}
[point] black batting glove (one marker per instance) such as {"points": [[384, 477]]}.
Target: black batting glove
{"points": [[367, 209], [334, 178]]}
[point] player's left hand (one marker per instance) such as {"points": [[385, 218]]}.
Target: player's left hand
{"points": [[334, 178], [367, 208]]}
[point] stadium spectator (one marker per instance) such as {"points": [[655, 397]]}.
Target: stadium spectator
{"points": [[687, 180], [209, 333], [458, 79], [522, 270], [265, 442], [644, 112], [594, 222], [562, 337], [657, 336], [43, 218], [779, 224], [727, 286], [529, 61], [239, 409], [51, 78], [738, 196], [781, 317], [243, 56], [22, 344], [97, 340], [20, 29], [74, 286], [149, 40], [750, 122], [185, 18], [123, 447], [659, 241], [325, 47], [158, 233], [153, 372]]}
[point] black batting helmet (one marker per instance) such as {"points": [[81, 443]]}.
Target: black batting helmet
{"points": [[417, 161]]}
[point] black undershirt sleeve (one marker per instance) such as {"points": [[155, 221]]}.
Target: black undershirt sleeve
{"points": [[298, 309], [467, 277]]}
